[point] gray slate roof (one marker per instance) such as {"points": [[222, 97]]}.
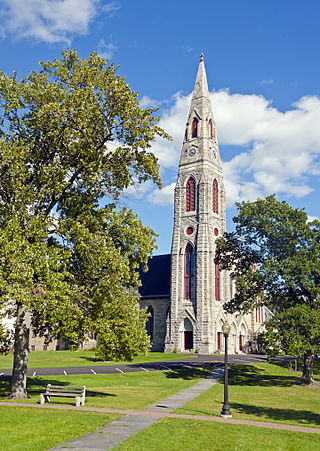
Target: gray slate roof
{"points": [[156, 281]]}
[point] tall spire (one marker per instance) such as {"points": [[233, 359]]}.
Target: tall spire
{"points": [[201, 84], [199, 218]]}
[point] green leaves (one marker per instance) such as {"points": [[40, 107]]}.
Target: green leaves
{"points": [[72, 138], [285, 249]]}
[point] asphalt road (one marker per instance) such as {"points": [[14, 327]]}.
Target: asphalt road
{"points": [[193, 362]]}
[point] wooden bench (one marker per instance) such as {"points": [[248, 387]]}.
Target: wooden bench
{"points": [[62, 391]]}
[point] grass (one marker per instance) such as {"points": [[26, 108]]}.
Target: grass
{"points": [[263, 392], [134, 390], [56, 359], [29, 429], [172, 434]]}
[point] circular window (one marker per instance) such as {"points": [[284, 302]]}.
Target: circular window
{"points": [[189, 230], [216, 232]]}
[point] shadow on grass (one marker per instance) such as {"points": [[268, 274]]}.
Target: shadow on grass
{"points": [[251, 375], [36, 385], [187, 373], [302, 416], [288, 364], [89, 359]]}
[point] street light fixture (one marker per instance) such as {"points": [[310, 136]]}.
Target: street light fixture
{"points": [[225, 412]]}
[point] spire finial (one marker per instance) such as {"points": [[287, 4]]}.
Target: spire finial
{"points": [[201, 57]]}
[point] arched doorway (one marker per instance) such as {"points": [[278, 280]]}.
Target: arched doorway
{"points": [[186, 330], [242, 338]]}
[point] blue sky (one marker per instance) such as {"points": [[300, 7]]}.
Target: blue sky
{"points": [[263, 69]]}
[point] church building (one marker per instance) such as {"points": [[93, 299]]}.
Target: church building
{"points": [[184, 291]]}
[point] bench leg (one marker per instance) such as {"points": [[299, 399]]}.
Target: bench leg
{"points": [[77, 401], [44, 398]]}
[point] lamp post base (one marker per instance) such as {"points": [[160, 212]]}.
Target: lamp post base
{"points": [[225, 412]]}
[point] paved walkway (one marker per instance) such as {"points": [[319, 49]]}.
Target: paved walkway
{"points": [[120, 430]]}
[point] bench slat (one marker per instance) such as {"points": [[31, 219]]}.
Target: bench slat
{"points": [[64, 389], [62, 395]]}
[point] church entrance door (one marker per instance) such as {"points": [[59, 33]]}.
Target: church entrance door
{"points": [[240, 342], [188, 339], [219, 341]]}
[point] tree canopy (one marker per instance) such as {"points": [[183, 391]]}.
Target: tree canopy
{"points": [[72, 138], [284, 248]]}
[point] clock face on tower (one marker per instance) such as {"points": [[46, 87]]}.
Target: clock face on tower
{"points": [[192, 151]]}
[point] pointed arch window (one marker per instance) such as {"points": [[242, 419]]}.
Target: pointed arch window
{"points": [[188, 271], [191, 194], [194, 129], [211, 129], [215, 197], [150, 322], [217, 286]]}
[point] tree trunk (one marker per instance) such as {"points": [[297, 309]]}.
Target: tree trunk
{"points": [[307, 374], [21, 349]]}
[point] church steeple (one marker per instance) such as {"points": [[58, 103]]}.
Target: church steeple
{"points": [[199, 218], [200, 140], [201, 84]]}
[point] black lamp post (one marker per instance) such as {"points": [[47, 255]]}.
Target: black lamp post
{"points": [[225, 412]]}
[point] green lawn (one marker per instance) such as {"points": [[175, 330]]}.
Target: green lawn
{"points": [[123, 391], [56, 359], [22, 428], [171, 434], [263, 392]]}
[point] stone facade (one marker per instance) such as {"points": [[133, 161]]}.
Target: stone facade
{"points": [[197, 293], [158, 320]]}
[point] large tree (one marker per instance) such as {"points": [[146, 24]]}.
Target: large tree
{"points": [[274, 258], [72, 138]]}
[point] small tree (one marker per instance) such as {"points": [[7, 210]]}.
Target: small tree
{"points": [[285, 248], [72, 138]]}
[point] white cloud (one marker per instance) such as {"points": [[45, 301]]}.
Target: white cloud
{"points": [[49, 20], [162, 197], [148, 102], [277, 151], [173, 121], [111, 8], [313, 218], [267, 82], [137, 190], [106, 50]]}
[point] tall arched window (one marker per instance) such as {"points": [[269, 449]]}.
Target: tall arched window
{"points": [[217, 281], [150, 322], [194, 130], [190, 194], [211, 129], [215, 197], [188, 271]]}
